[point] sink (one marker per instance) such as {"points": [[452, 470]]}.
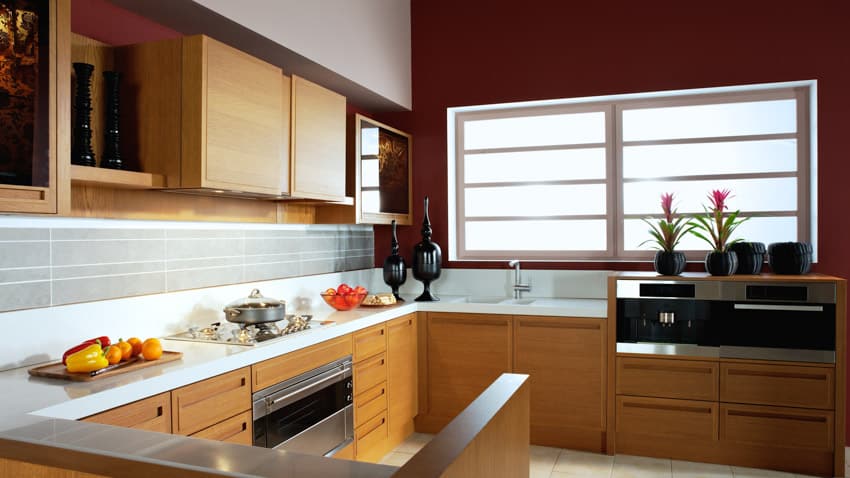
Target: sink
{"points": [[517, 301], [485, 300]]}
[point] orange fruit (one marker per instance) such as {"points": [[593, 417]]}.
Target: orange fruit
{"points": [[151, 349], [137, 345], [113, 354], [126, 349]]}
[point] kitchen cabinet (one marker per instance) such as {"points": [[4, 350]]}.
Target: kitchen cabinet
{"points": [[465, 353], [402, 377], [370, 393], [275, 370], [565, 357], [206, 403], [236, 429], [317, 142], [36, 117], [205, 115], [781, 385], [369, 342], [152, 413], [688, 421], [667, 378]]}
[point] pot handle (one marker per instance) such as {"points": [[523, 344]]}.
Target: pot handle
{"points": [[255, 294], [231, 311]]}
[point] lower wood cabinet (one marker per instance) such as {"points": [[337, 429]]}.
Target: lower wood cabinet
{"points": [[370, 404], [371, 439], [565, 358], [272, 371], [152, 413], [667, 378], [777, 426], [208, 402], [237, 429], [667, 419], [782, 385], [402, 381]]}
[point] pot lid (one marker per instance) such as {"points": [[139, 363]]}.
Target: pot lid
{"points": [[256, 301]]}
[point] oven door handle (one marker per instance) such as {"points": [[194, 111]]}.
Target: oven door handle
{"points": [[787, 308], [302, 390]]}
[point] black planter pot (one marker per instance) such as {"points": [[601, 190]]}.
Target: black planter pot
{"points": [[750, 256], [721, 263], [790, 257], [669, 263], [395, 270], [427, 257]]}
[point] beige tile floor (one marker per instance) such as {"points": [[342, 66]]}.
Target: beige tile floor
{"points": [[549, 462]]}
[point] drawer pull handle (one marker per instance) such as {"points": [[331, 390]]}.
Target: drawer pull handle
{"points": [[680, 408], [777, 416], [799, 375], [559, 325], [668, 368], [383, 420], [243, 382], [785, 308], [159, 411], [244, 426]]}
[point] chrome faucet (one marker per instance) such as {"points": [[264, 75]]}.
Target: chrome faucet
{"points": [[519, 287]]}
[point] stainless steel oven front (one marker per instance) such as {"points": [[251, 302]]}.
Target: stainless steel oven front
{"points": [[312, 413]]}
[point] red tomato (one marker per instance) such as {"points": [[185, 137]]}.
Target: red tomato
{"points": [[360, 290], [339, 301], [343, 289], [352, 299]]}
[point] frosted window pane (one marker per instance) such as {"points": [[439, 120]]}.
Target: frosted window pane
{"points": [[768, 194], [371, 201], [757, 229], [729, 119], [369, 173], [710, 158], [368, 141], [577, 128], [533, 201], [575, 235], [555, 165]]}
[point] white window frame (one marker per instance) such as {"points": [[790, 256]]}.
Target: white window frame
{"points": [[804, 92]]}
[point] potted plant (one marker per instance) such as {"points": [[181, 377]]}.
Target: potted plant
{"points": [[716, 227], [666, 234]]}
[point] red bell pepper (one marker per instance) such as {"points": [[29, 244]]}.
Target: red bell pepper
{"points": [[102, 340]]}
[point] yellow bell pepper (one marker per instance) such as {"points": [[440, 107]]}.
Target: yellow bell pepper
{"points": [[89, 359]]}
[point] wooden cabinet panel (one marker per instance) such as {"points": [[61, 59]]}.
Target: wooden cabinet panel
{"points": [[369, 373], [402, 377], [317, 142], [565, 358], [657, 377], [466, 352], [777, 426], [278, 369], [370, 403], [669, 419], [783, 385], [346, 453], [152, 413], [369, 342], [202, 404], [236, 429], [371, 439]]}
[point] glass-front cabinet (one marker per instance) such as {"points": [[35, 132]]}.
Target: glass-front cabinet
{"points": [[34, 99], [384, 166]]}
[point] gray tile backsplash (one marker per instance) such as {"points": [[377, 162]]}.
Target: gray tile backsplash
{"points": [[45, 266]]}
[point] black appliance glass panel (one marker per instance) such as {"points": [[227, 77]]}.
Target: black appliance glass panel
{"points": [[776, 328], [668, 290], [777, 292], [638, 321]]}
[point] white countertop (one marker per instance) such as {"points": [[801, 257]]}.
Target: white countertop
{"points": [[28, 399]]}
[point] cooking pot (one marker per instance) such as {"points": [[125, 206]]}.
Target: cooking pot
{"points": [[255, 309]]}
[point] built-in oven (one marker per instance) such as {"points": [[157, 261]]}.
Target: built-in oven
{"points": [[311, 413], [731, 319]]}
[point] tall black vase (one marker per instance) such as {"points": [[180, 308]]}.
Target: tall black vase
{"points": [[82, 153], [395, 270], [111, 154], [426, 259]]}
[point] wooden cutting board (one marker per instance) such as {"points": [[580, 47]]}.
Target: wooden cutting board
{"points": [[57, 370]]}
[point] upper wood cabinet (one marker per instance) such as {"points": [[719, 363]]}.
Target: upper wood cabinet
{"points": [[35, 117], [317, 142], [205, 115]]}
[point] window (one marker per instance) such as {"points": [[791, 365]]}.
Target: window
{"points": [[572, 179]]}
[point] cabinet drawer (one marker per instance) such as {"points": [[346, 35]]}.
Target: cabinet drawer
{"points": [[202, 404], [278, 369], [152, 413], [371, 438], [369, 373], [234, 430], [777, 426], [651, 377], [671, 419], [370, 403], [783, 385], [369, 342]]}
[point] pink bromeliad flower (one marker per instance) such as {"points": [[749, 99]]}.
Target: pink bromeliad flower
{"points": [[718, 199], [714, 226], [667, 206], [667, 232]]}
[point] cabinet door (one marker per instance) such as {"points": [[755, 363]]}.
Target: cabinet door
{"points": [[402, 376], [35, 117], [236, 429], [205, 403], [318, 142], [784, 385], [232, 119], [565, 358], [369, 342], [152, 413], [466, 352]]}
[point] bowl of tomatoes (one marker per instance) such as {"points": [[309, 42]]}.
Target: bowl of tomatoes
{"points": [[344, 297]]}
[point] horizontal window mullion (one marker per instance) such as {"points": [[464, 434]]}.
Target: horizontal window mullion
{"points": [[524, 149], [704, 177], [710, 139], [560, 182], [534, 218], [790, 213]]}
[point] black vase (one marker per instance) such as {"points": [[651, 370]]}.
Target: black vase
{"points": [[395, 270], [426, 259], [750, 256], [111, 154], [81, 152], [669, 263], [721, 263]]}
